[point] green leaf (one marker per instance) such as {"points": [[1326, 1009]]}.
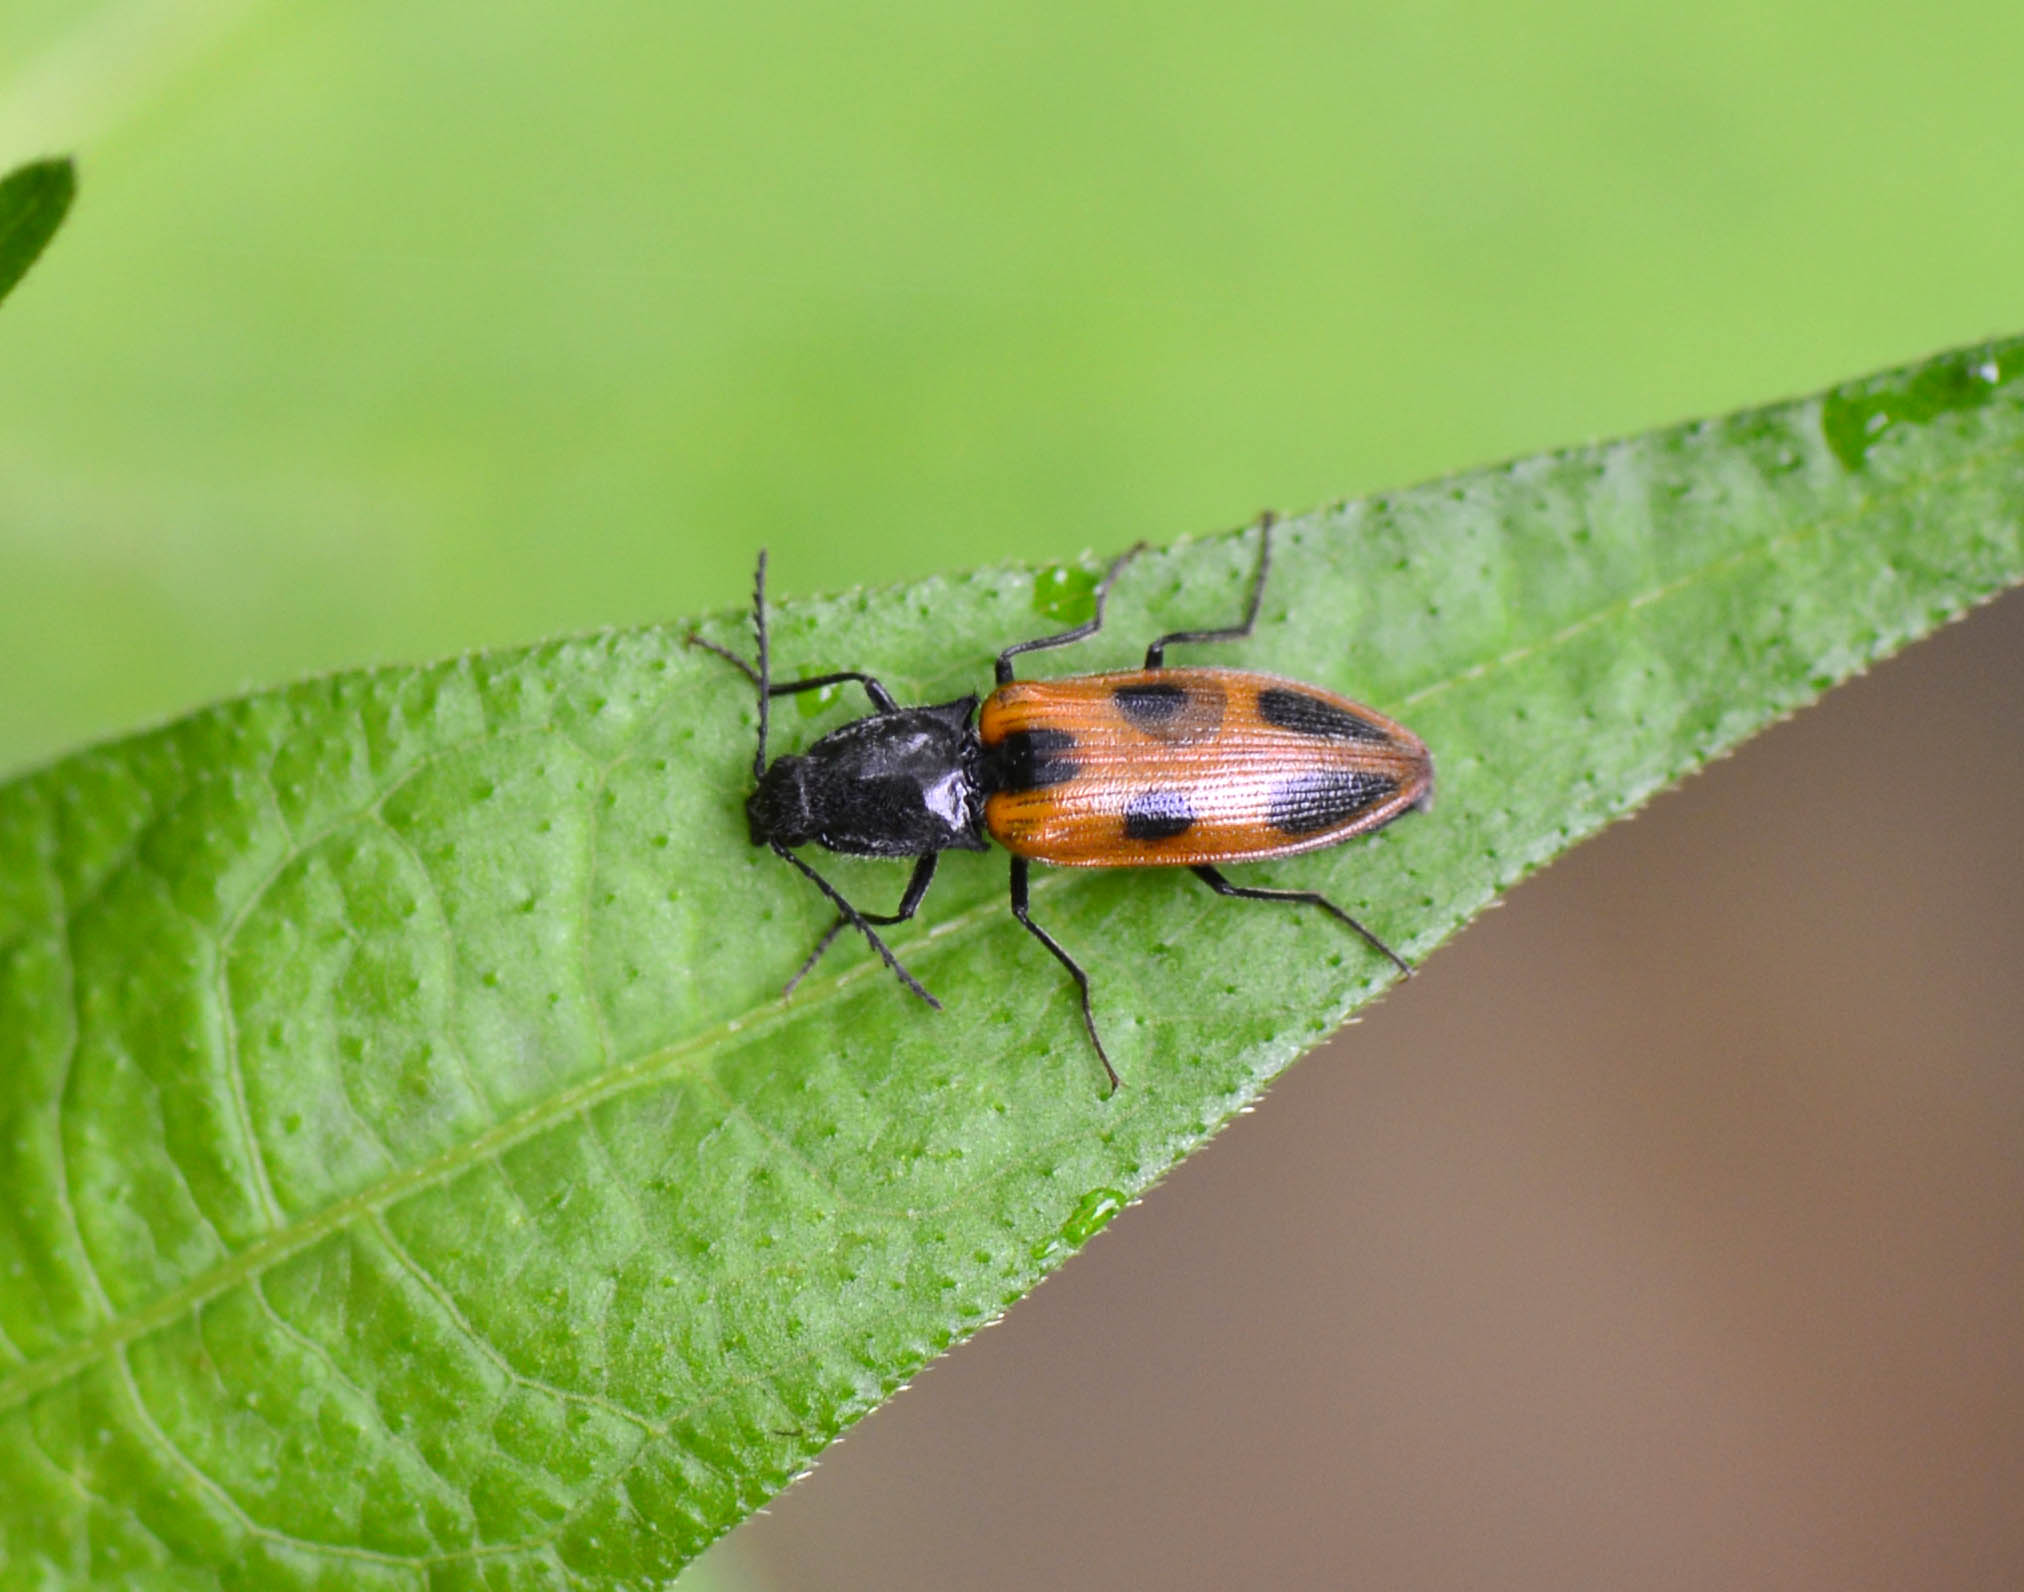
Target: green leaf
{"points": [[34, 199], [411, 1176]]}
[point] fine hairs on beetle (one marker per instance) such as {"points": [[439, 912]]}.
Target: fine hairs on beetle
{"points": [[1157, 767]]}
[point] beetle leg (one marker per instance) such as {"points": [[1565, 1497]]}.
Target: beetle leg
{"points": [[1081, 978], [881, 698], [1222, 886], [856, 919], [1156, 654], [917, 886], [1095, 623]]}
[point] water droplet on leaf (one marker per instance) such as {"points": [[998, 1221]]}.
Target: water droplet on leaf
{"points": [[1066, 592]]}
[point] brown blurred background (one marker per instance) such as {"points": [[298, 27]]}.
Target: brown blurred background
{"points": [[1666, 1232]]}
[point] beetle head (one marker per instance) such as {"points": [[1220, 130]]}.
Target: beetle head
{"points": [[778, 808]]}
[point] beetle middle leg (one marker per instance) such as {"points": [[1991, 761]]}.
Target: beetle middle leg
{"points": [[1089, 628], [1081, 978], [1156, 654], [1223, 887], [910, 903]]}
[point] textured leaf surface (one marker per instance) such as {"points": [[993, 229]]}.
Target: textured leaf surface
{"points": [[34, 199], [409, 1176]]}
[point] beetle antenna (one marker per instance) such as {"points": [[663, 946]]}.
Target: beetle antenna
{"points": [[765, 667], [857, 922]]}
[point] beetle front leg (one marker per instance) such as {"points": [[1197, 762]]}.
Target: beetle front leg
{"points": [[856, 920], [910, 903]]}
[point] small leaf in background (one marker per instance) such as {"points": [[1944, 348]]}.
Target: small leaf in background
{"points": [[34, 199], [411, 1176]]}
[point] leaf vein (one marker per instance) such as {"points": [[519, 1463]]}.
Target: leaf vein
{"points": [[427, 1282]]}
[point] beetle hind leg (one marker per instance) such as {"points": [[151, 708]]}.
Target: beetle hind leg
{"points": [[1223, 887]]}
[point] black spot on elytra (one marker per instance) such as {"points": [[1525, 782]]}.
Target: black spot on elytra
{"points": [[1030, 760], [1171, 712], [1158, 815], [1310, 715], [1150, 706], [1309, 803]]}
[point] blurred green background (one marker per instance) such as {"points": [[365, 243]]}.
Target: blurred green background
{"points": [[387, 330]]}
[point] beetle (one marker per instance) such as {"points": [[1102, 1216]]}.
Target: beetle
{"points": [[1161, 766]]}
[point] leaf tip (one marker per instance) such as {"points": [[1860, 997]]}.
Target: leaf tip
{"points": [[34, 199]]}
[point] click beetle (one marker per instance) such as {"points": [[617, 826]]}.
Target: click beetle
{"points": [[1143, 768]]}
